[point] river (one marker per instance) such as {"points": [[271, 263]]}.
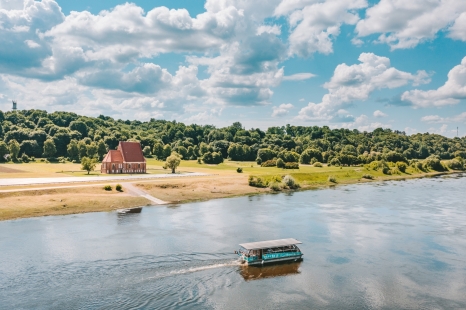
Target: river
{"points": [[384, 245]]}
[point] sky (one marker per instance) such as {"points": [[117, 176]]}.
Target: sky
{"points": [[357, 64]]}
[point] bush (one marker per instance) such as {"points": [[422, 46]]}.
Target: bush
{"points": [[455, 164], [118, 187], [269, 163], [25, 158], [317, 164], [386, 170], [402, 166], [332, 179], [280, 163], [239, 170], [264, 181], [291, 166], [275, 186], [108, 187], [199, 161], [334, 162], [313, 160], [368, 176], [256, 182], [290, 182], [259, 161], [433, 162]]}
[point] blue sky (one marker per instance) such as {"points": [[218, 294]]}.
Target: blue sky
{"points": [[343, 63]]}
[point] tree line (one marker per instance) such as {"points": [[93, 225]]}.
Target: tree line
{"points": [[33, 133]]}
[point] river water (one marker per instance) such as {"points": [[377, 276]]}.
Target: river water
{"points": [[387, 245]]}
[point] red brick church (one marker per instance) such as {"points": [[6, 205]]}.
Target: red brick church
{"points": [[127, 158]]}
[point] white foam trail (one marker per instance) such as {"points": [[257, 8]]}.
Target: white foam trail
{"points": [[195, 269]]}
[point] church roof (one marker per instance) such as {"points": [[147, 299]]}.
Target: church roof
{"points": [[113, 156], [131, 152]]}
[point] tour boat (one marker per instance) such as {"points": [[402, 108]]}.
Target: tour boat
{"points": [[272, 251]]}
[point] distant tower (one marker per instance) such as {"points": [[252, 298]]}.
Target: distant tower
{"points": [[14, 105]]}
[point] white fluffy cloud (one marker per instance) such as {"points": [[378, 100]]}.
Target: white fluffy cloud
{"points": [[460, 118], [127, 32], [244, 73], [379, 113], [458, 30], [23, 50], [451, 92], [357, 82], [314, 24], [404, 24], [299, 76], [282, 110]]}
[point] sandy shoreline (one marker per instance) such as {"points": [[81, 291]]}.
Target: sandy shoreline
{"points": [[84, 198]]}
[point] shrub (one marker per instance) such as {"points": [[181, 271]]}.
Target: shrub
{"points": [[313, 160], [334, 162], [108, 187], [291, 165], [25, 158], [332, 179], [275, 186], [280, 163], [239, 170], [433, 162], [256, 182], [264, 181], [199, 161], [386, 170], [118, 187], [259, 161], [456, 164], [269, 163], [317, 164], [402, 166], [290, 182], [368, 176]]}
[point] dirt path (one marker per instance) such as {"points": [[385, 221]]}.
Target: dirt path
{"points": [[131, 189], [33, 181]]}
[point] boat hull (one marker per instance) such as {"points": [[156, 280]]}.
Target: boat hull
{"points": [[261, 262]]}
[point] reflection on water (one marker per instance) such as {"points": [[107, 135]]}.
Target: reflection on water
{"points": [[277, 270], [381, 245]]}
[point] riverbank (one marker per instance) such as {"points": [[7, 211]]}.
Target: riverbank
{"points": [[223, 182]]}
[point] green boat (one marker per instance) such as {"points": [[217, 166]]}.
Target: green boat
{"points": [[272, 251]]}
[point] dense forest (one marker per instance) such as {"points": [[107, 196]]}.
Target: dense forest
{"points": [[29, 134]]}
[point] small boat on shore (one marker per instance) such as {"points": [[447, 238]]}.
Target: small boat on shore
{"points": [[272, 251], [130, 210]]}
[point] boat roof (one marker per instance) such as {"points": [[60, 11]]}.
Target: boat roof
{"points": [[269, 244]]}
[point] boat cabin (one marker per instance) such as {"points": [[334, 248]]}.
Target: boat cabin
{"points": [[272, 251]]}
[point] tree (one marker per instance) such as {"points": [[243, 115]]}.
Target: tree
{"points": [[158, 151], [92, 150], [49, 148], [146, 151], [3, 150], [88, 164], [101, 149], [280, 163], [72, 150], [173, 161], [30, 148], [79, 126], [14, 149], [82, 149], [167, 150]]}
